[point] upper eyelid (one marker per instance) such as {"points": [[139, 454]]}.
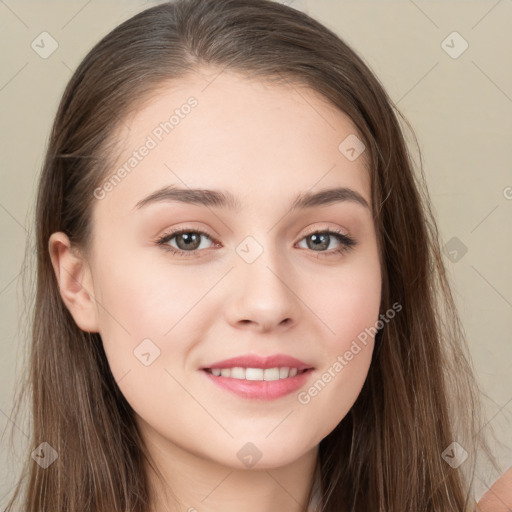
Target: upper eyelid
{"points": [[173, 233], [346, 241], [203, 231]]}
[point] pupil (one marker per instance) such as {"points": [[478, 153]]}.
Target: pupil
{"points": [[189, 239], [317, 240]]}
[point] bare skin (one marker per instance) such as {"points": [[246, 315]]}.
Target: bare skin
{"points": [[499, 497], [265, 144]]}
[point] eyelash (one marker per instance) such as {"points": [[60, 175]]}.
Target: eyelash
{"points": [[346, 242]]}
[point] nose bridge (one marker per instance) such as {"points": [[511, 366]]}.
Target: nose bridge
{"points": [[262, 259], [264, 280]]}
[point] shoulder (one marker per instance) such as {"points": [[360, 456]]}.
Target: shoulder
{"points": [[499, 496]]}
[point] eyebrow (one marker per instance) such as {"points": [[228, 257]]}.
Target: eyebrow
{"points": [[225, 199]]}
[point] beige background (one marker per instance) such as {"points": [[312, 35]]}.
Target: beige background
{"points": [[460, 109]]}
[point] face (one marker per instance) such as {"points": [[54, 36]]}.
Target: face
{"points": [[256, 276]]}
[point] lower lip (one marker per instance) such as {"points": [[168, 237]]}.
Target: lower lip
{"points": [[260, 389]]}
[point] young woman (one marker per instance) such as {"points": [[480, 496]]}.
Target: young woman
{"points": [[241, 301]]}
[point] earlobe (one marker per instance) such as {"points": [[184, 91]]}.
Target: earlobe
{"points": [[74, 280]]}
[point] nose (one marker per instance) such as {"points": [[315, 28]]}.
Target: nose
{"points": [[263, 296]]}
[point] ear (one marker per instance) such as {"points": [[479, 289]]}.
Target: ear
{"points": [[75, 282]]}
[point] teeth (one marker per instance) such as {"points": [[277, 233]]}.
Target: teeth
{"points": [[237, 373], [256, 373]]}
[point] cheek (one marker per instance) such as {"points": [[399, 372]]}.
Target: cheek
{"points": [[349, 311], [147, 319], [133, 307], [347, 302], [144, 299]]}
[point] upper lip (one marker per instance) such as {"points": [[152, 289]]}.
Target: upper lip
{"points": [[256, 361]]}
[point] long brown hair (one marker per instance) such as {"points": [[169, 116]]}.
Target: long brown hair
{"points": [[420, 394]]}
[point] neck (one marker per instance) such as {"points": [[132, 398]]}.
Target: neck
{"points": [[193, 483]]}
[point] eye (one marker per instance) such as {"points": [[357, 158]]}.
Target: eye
{"points": [[189, 242], [188, 239], [322, 238]]}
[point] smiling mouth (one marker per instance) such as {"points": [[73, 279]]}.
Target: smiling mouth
{"points": [[254, 384], [256, 374]]}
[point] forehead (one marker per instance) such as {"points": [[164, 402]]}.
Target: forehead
{"points": [[216, 129]]}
